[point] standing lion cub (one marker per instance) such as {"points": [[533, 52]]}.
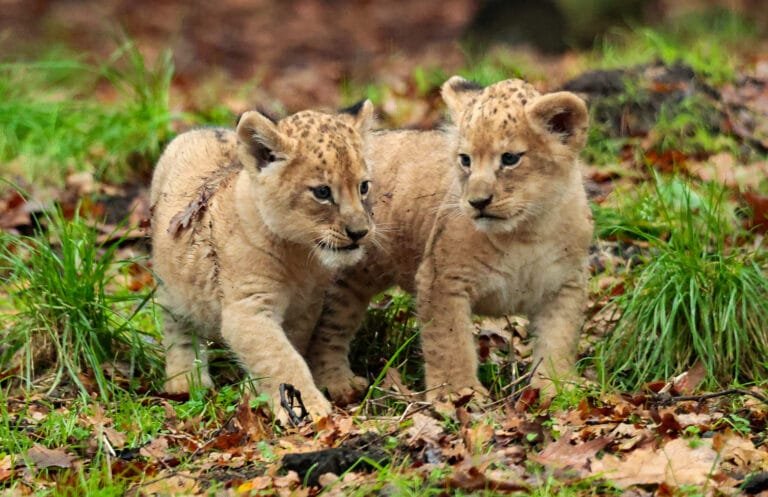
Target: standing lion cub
{"points": [[490, 218], [248, 228]]}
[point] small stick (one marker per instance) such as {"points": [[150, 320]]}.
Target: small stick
{"points": [[707, 396]]}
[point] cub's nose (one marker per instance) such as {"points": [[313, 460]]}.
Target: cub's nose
{"points": [[481, 203], [356, 235]]}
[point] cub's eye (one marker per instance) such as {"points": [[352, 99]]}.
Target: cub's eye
{"points": [[364, 186], [510, 159], [321, 192], [465, 160]]}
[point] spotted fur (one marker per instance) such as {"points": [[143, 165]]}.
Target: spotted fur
{"points": [[244, 248], [471, 235]]}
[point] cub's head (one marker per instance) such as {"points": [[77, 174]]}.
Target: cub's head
{"points": [[516, 150], [311, 179]]}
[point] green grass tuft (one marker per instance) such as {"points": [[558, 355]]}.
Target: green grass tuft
{"points": [[53, 122], [695, 298], [68, 321], [707, 41]]}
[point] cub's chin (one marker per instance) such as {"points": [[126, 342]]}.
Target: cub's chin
{"points": [[337, 258], [495, 225]]}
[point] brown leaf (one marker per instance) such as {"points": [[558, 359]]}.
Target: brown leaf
{"points": [[255, 424], [424, 429], [6, 468], [156, 449], [688, 382], [181, 483], [14, 211], [527, 399], [564, 454], [43, 457], [741, 454], [759, 205], [676, 463], [393, 381], [116, 438], [472, 478]]}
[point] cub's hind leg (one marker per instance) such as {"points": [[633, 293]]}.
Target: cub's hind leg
{"points": [[186, 361], [343, 312]]}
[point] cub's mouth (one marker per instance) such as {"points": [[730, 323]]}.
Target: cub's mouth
{"points": [[345, 248], [489, 216]]}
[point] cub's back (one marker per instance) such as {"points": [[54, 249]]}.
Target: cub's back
{"points": [[184, 259], [189, 160]]}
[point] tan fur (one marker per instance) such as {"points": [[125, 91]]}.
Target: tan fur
{"points": [[252, 263], [531, 259]]}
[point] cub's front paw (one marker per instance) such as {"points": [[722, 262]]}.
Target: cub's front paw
{"points": [[345, 390], [315, 403], [180, 383], [344, 387]]}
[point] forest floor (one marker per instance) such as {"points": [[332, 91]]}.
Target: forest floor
{"points": [[676, 169]]}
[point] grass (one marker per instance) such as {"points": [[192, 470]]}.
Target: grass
{"points": [[697, 294], [55, 122], [389, 331], [707, 41], [696, 298], [68, 321]]}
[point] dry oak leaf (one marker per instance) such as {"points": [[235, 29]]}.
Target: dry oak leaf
{"points": [[472, 478], [675, 464], [43, 457], [156, 449], [181, 483], [741, 453], [563, 454], [424, 429]]}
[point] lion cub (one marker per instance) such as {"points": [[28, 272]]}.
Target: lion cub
{"points": [[248, 229], [489, 217]]}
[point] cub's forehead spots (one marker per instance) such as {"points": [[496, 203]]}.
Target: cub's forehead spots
{"points": [[325, 140], [496, 111]]}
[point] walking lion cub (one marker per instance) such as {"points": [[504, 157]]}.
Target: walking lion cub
{"points": [[489, 217], [248, 229]]}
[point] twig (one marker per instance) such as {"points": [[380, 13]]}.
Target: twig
{"points": [[700, 398], [526, 379]]}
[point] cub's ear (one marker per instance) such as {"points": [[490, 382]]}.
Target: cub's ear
{"points": [[359, 115], [562, 115], [260, 141], [457, 92]]}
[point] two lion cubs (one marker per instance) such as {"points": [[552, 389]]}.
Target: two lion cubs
{"points": [[251, 229]]}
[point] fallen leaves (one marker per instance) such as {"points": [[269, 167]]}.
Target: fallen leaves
{"points": [[568, 455], [42, 457], [678, 462]]}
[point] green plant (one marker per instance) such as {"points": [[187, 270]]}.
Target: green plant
{"points": [[707, 41], [390, 325], [695, 298], [692, 126], [53, 121], [67, 321]]}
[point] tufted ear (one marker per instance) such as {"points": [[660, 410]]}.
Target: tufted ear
{"points": [[457, 92], [360, 115], [261, 143], [561, 115]]}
